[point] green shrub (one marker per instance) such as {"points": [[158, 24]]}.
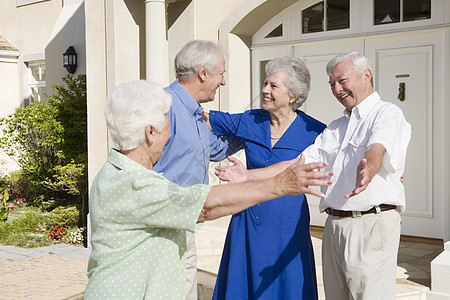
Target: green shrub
{"points": [[49, 140], [64, 216]]}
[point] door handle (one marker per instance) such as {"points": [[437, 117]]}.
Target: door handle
{"points": [[401, 91]]}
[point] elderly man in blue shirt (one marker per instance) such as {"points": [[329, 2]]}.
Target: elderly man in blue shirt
{"points": [[199, 68]]}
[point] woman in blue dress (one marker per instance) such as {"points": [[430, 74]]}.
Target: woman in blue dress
{"points": [[268, 252]]}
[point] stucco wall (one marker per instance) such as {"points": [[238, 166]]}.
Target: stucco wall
{"points": [[29, 27], [10, 99], [69, 30]]}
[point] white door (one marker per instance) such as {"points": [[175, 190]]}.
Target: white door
{"points": [[408, 64]]}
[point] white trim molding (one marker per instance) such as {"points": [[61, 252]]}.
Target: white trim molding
{"points": [[9, 56], [27, 2]]}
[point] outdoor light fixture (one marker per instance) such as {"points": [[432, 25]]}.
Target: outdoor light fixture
{"points": [[70, 60]]}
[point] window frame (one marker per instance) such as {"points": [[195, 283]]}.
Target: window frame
{"points": [[438, 16], [361, 23], [33, 84]]}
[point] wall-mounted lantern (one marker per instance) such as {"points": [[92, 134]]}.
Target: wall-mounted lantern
{"points": [[70, 60]]}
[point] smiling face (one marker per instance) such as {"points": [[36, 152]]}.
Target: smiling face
{"points": [[275, 94], [348, 86], [212, 81]]}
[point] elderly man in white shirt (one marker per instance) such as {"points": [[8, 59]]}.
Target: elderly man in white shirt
{"points": [[366, 151]]}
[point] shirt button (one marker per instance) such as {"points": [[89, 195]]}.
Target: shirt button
{"points": [[259, 204], [257, 218]]}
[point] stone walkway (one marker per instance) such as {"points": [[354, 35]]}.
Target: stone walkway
{"points": [[59, 271], [53, 272]]}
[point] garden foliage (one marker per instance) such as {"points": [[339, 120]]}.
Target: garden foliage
{"points": [[49, 141]]}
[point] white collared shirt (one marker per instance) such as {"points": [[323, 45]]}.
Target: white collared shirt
{"points": [[343, 145]]}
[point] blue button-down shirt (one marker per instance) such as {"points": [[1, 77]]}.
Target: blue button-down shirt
{"points": [[186, 155]]}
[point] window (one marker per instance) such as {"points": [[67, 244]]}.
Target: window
{"points": [[396, 11], [36, 81], [335, 12], [278, 31]]}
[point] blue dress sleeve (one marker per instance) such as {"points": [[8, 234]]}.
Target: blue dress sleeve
{"points": [[223, 123], [223, 143]]}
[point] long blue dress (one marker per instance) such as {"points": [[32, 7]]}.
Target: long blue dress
{"points": [[268, 252]]}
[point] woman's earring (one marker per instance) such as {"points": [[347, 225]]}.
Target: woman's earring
{"points": [[151, 141], [291, 101]]}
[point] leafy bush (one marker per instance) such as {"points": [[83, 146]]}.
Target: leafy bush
{"points": [[4, 209], [33, 135], [49, 141], [5, 180], [64, 216]]}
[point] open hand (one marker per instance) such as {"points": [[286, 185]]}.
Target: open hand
{"points": [[362, 179], [234, 173], [303, 176]]}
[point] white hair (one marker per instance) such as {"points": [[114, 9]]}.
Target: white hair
{"points": [[360, 62], [133, 106], [195, 54], [297, 78]]}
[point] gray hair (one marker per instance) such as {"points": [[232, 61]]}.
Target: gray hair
{"points": [[133, 106], [195, 54], [360, 62], [297, 78]]}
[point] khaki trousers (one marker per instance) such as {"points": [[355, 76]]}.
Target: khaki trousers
{"points": [[191, 267], [359, 256]]}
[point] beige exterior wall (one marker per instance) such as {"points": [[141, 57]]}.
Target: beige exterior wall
{"points": [[29, 27], [9, 85], [69, 30]]}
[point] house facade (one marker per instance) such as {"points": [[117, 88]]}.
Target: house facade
{"points": [[34, 34], [408, 42]]}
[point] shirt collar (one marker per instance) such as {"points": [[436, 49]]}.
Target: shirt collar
{"points": [[191, 105], [365, 107], [122, 162]]}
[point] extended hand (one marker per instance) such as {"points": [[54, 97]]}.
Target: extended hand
{"points": [[303, 176], [234, 173], [362, 179]]}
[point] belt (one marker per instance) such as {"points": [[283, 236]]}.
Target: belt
{"points": [[347, 214]]}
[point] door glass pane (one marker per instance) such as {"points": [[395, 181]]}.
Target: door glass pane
{"points": [[387, 11], [313, 18], [278, 31], [416, 10], [338, 16]]}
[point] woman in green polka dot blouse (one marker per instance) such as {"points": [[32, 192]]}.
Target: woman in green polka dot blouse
{"points": [[139, 218]]}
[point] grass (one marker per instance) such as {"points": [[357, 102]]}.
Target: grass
{"points": [[28, 228]]}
